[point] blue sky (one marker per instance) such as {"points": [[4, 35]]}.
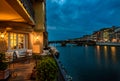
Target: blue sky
{"points": [[74, 18]]}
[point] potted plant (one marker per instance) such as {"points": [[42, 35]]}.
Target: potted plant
{"points": [[46, 69], [4, 71]]}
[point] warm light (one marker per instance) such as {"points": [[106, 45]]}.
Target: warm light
{"points": [[106, 53], [105, 39], [8, 28], [98, 54], [114, 40], [113, 52], [98, 47], [105, 47], [36, 49], [2, 36], [37, 38]]}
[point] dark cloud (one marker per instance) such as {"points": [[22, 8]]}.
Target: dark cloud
{"points": [[74, 18]]}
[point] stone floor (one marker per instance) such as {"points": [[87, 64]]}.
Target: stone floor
{"points": [[21, 71]]}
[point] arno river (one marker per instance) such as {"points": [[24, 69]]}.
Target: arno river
{"points": [[91, 63]]}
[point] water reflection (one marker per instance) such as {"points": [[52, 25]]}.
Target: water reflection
{"points": [[89, 63], [86, 45], [86, 53], [113, 52], [98, 54], [108, 52], [106, 55]]}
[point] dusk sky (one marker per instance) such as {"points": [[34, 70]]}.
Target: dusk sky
{"points": [[68, 19]]}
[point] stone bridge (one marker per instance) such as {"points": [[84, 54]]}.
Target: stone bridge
{"points": [[76, 42]]}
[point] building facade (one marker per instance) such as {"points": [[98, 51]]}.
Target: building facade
{"points": [[117, 34], [22, 25]]}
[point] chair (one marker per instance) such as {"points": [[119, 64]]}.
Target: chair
{"points": [[29, 52], [17, 57], [9, 56]]}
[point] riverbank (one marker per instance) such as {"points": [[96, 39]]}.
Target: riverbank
{"points": [[108, 43]]}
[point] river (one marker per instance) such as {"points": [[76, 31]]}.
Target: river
{"points": [[91, 63]]}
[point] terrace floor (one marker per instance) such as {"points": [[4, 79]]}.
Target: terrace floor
{"points": [[21, 71]]}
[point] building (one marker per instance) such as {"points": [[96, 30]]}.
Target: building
{"points": [[85, 38], [104, 35], [117, 35], [96, 36], [107, 34], [22, 25]]}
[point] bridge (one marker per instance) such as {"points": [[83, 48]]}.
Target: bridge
{"points": [[76, 42]]}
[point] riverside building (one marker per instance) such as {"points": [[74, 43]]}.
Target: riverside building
{"points": [[22, 25]]}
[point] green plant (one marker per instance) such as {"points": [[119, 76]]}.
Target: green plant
{"points": [[47, 69], [36, 56], [2, 57], [3, 64]]}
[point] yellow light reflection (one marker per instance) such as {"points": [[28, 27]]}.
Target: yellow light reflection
{"points": [[106, 53], [113, 52], [98, 54]]}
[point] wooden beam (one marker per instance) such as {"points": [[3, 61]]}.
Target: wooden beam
{"points": [[16, 26], [21, 11]]}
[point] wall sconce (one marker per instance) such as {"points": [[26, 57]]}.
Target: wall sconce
{"points": [[2, 34], [37, 38]]}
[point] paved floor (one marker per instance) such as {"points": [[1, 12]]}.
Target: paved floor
{"points": [[21, 71]]}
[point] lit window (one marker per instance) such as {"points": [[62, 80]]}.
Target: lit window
{"points": [[20, 41], [17, 41], [13, 41]]}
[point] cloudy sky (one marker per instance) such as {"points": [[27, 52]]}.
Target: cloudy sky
{"points": [[74, 18]]}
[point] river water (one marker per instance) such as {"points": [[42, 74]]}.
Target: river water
{"points": [[91, 63]]}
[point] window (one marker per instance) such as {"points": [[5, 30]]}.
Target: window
{"points": [[17, 41], [13, 40], [6, 38], [21, 41]]}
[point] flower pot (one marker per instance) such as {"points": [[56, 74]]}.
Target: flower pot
{"points": [[4, 74]]}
